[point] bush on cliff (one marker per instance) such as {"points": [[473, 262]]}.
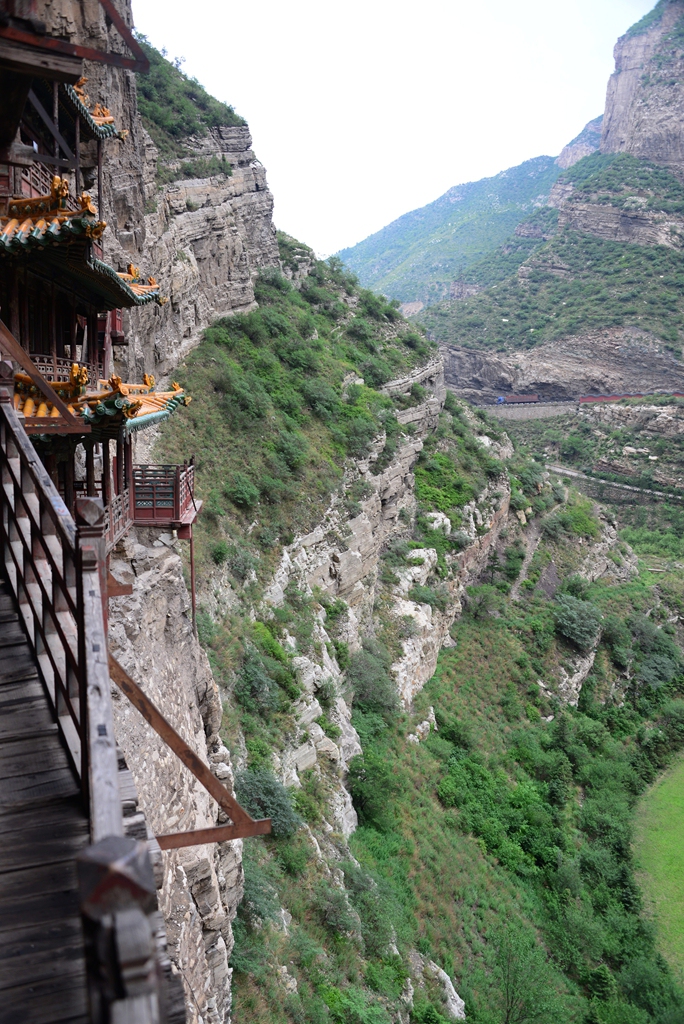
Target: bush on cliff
{"points": [[578, 621], [260, 793]]}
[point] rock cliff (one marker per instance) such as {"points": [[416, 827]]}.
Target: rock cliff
{"points": [[203, 240], [645, 97], [620, 360], [151, 634]]}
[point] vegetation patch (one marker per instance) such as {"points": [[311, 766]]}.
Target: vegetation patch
{"points": [[659, 855], [175, 107]]}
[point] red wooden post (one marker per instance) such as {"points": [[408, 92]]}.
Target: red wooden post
{"points": [[192, 583]]}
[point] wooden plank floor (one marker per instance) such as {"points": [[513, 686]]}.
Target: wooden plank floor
{"points": [[42, 829]]}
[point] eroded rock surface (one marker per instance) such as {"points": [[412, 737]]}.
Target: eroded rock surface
{"points": [[612, 360], [151, 634]]}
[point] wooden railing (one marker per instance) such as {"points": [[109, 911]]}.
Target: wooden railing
{"points": [[57, 369], [55, 569], [117, 518], [164, 495]]}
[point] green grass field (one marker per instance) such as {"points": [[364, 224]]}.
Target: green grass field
{"points": [[659, 852]]}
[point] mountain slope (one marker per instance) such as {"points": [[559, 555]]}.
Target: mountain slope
{"points": [[418, 256]]}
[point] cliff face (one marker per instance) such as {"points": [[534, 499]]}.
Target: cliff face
{"points": [[620, 360], [645, 96], [203, 240], [151, 634]]}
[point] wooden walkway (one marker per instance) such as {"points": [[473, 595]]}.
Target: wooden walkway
{"points": [[42, 829]]}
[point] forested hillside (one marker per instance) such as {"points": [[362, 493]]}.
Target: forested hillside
{"points": [[495, 809], [580, 279], [420, 255]]}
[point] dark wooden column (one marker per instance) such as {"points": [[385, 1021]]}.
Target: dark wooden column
{"points": [[55, 112], [77, 153], [90, 469], [52, 327], [106, 474], [15, 325], [120, 462], [69, 481], [25, 340]]}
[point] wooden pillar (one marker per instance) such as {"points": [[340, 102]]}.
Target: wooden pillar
{"points": [[55, 113], [100, 197], [77, 154], [69, 482], [90, 469], [92, 337], [25, 340], [192, 583], [15, 325], [106, 474], [120, 462], [52, 327], [73, 332], [51, 466]]}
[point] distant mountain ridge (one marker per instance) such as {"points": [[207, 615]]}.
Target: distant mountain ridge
{"points": [[421, 257]]}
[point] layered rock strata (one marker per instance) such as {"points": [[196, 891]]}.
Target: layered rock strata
{"points": [[151, 634], [618, 360], [645, 97]]}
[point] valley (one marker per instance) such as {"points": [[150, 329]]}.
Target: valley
{"points": [[449, 670], [437, 643]]}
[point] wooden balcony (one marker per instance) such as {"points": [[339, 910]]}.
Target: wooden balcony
{"points": [[57, 369], [164, 496]]}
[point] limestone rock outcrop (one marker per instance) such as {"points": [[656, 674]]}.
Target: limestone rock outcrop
{"points": [[645, 97], [620, 360], [204, 241], [151, 634]]}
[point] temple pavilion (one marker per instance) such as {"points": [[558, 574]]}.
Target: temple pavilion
{"points": [[61, 317]]}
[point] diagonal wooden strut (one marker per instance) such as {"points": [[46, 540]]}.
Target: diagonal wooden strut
{"points": [[12, 348], [243, 824]]}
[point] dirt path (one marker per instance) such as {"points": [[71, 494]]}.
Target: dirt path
{"points": [[564, 471], [532, 538]]}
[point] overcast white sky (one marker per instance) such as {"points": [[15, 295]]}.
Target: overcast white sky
{"points": [[366, 109]]}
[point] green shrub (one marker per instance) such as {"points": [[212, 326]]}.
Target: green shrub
{"points": [[436, 597], [328, 727], [371, 781], [294, 854], [578, 621], [483, 600], [334, 910], [266, 642], [219, 552], [372, 685], [260, 793], [241, 491], [254, 688]]}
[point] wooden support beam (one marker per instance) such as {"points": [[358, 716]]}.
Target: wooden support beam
{"points": [[55, 46], [190, 759], [116, 589], [218, 834], [33, 61], [49, 124], [13, 349]]}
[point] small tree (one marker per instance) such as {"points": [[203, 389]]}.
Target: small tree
{"points": [[483, 600], [578, 621], [260, 793], [527, 993]]}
